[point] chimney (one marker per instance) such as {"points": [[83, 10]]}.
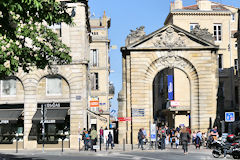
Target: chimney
{"points": [[204, 5], [178, 4], [171, 6]]}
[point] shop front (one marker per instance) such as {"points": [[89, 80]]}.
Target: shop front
{"points": [[54, 132], [11, 126]]}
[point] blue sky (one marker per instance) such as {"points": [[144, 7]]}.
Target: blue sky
{"points": [[130, 14]]}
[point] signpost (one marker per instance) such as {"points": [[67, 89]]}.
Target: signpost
{"points": [[153, 132], [229, 116], [44, 112]]}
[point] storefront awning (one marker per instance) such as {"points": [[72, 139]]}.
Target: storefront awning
{"points": [[52, 116], [97, 116], [9, 115]]}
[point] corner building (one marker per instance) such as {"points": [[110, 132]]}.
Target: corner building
{"points": [[62, 90]]}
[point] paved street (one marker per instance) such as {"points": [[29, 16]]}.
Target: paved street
{"points": [[115, 154]]}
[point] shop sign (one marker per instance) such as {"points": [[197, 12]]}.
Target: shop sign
{"points": [[94, 103], [174, 104], [53, 105], [122, 119], [48, 121], [4, 121], [138, 112]]}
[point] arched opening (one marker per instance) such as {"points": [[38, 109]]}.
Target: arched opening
{"points": [[172, 98]]}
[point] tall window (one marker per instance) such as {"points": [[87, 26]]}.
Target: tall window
{"points": [[8, 87], [94, 57], [54, 86], [220, 61], [193, 25], [217, 32], [94, 81], [233, 16]]}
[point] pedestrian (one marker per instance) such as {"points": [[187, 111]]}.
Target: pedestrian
{"points": [[145, 136], [110, 140], [172, 137], [193, 137], [198, 139], [185, 138], [101, 134], [140, 138], [93, 135], [177, 137], [87, 141], [163, 138]]}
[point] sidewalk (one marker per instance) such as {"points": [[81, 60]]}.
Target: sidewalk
{"points": [[118, 148]]}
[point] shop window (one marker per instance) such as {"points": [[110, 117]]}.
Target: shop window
{"points": [[193, 25], [220, 61], [94, 81], [8, 87], [217, 32], [94, 57], [54, 86]]}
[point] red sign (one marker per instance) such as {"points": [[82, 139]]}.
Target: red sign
{"points": [[94, 103], [121, 119]]}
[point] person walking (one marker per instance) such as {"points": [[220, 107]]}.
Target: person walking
{"points": [[185, 138], [93, 135], [109, 141], [140, 138]]}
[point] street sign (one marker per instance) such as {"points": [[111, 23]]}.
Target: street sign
{"points": [[229, 116], [153, 132], [121, 119], [136, 112]]}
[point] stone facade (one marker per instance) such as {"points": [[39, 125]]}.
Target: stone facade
{"points": [[207, 14], [100, 65], [146, 56], [31, 88]]}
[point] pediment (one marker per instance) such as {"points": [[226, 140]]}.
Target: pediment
{"points": [[171, 37]]}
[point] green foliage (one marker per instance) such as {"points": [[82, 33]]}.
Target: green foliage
{"points": [[25, 38]]}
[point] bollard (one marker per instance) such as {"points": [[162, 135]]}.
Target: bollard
{"points": [[100, 140], [79, 144], [123, 144], [16, 144], [106, 144], [62, 144]]}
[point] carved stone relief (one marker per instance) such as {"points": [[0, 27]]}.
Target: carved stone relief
{"points": [[170, 39], [173, 60], [203, 33]]}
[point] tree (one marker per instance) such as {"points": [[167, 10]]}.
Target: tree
{"points": [[26, 41]]}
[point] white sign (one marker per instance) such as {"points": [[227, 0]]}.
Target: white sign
{"points": [[95, 146], [105, 135], [48, 121], [174, 103], [153, 132], [229, 116], [4, 121]]}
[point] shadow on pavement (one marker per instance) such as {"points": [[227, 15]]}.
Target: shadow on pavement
{"points": [[17, 157]]}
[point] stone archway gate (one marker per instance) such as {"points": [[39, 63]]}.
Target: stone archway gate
{"points": [[144, 56]]}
